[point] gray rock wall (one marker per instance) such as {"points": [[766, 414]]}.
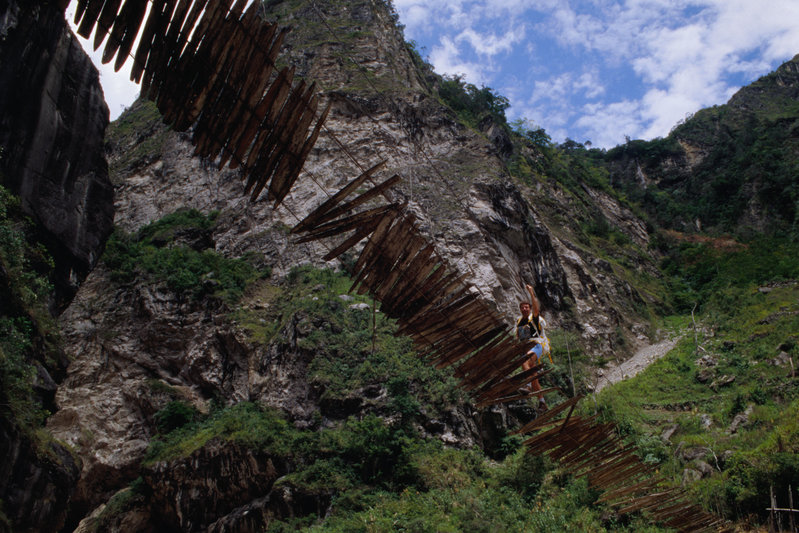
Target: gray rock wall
{"points": [[52, 127]]}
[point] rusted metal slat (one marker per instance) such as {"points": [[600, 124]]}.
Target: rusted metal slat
{"points": [[89, 17], [106, 20], [315, 217], [392, 248], [126, 28], [358, 236], [246, 113], [175, 83], [641, 486], [346, 224], [154, 20], [266, 162]]}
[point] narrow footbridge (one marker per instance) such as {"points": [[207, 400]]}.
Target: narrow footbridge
{"points": [[210, 67]]}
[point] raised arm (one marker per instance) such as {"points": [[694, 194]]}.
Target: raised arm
{"points": [[536, 307]]}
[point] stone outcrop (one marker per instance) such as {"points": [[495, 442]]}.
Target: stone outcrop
{"points": [[52, 126], [36, 480], [130, 340]]}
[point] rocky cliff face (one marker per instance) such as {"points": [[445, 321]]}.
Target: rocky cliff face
{"points": [[727, 168], [132, 340], [52, 125]]}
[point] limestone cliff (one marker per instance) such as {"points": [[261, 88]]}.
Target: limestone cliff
{"points": [[131, 340], [52, 125]]}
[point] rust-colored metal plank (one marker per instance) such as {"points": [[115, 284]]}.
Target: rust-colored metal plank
{"points": [[157, 13], [106, 20], [177, 79], [548, 416], [277, 139], [126, 28], [254, 91], [337, 227], [89, 17], [256, 133], [410, 243], [316, 215], [358, 236]]}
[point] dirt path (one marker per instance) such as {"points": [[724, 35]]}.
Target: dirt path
{"points": [[632, 366]]}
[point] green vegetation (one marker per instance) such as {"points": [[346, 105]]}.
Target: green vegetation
{"points": [[471, 104], [352, 348], [28, 334], [379, 475], [729, 387], [159, 252], [746, 159], [138, 135]]}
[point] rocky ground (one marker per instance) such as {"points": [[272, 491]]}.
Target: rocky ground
{"points": [[634, 365]]}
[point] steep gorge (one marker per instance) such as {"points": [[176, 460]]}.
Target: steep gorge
{"points": [[137, 345]]}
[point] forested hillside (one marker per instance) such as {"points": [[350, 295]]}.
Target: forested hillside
{"points": [[213, 374]]}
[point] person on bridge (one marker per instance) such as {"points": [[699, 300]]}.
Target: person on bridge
{"points": [[531, 326]]}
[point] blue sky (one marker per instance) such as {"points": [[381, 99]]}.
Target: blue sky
{"points": [[590, 70], [600, 70]]}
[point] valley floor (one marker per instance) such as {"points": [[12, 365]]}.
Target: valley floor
{"points": [[634, 365]]}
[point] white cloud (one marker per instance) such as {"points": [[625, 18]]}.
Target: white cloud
{"points": [[446, 60], [607, 124], [489, 44]]}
